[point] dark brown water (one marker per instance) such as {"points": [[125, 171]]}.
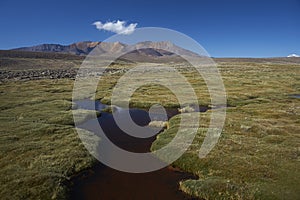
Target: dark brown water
{"points": [[107, 183], [102, 182]]}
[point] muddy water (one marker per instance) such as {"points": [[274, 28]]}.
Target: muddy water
{"points": [[103, 182]]}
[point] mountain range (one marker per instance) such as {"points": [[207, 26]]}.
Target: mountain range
{"points": [[141, 50]]}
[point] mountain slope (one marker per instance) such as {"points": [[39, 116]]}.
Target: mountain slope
{"points": [[147, 48], [79, 48]]}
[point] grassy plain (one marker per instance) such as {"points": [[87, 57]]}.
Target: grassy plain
{"points": [[257, 156], [258, 153], [40, 149]]}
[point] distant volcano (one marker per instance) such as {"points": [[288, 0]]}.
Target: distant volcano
{"points": [[293, 56]]}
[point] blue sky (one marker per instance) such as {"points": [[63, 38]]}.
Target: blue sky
{"points": [[225, 28]]}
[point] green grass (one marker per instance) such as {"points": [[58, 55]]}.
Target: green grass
{"points": [[257, 156], [40, 149]]}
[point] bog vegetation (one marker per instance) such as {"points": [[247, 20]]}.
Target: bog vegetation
{"points": [[257, 156]]}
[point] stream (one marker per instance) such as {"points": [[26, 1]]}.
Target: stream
{"points": [[102, 182]]}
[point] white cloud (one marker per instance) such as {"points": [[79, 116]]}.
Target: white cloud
{"points": [[118, 27]]}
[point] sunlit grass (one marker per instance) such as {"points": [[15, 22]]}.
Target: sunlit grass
{"points": [[257, 155], [40, 149]]}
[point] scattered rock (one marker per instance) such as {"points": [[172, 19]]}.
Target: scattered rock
{"points": [[245, 128], [187, 109], [52, 74], [159, 124]]}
